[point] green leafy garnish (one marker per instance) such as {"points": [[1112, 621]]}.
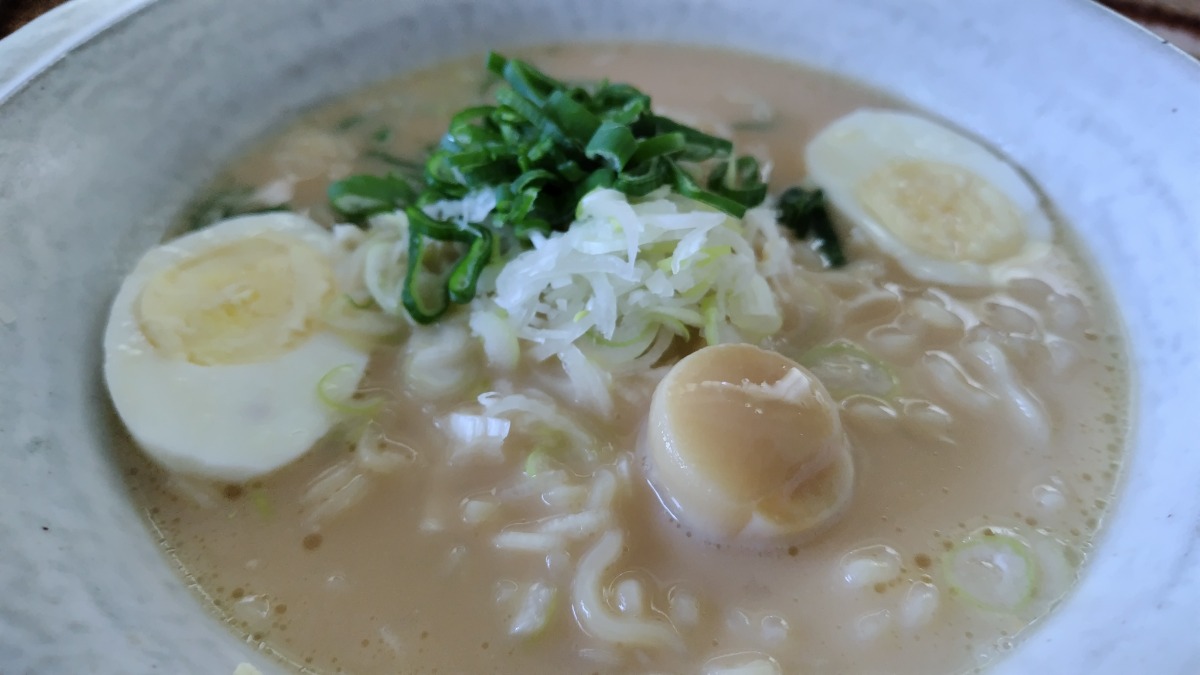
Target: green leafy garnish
{"points": [[460, 283], [362, 196], [803, 212], [225, 204], [349, 122], [261, 502], [539, 148], [993, 570], [739, 179], [401, 165], [846, 369], [753, 125], [336, 390], [537, 462]]}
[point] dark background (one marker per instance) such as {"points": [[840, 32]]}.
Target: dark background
{"points": [[1178, 20], [17, 13]]}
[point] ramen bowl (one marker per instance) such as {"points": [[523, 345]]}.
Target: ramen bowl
{"points": [[114, 112]]}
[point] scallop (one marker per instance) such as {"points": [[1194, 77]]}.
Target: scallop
{"points": [[746, 444]]}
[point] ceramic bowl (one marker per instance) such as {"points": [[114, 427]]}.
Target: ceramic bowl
{"points": [[113, 112]]}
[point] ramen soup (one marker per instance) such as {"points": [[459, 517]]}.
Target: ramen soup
{"points": [[736, 368]]}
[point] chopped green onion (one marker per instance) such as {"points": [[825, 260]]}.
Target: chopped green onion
{"points": [[740, 180], [399, 163], [846, 370], [753, 125], [655, 146], [575, 120], [261, 503], [644, 336], [711, 330], [992, 570], [460, 284], [528, 81], [686, 185], [349, 122], [336, 390], [613, 144], [369, 303], [538, 461], [803, 212], [646, 178], [465, 275], [553, 448], [363, 195], [698, 146], [226, 204], [420, 308]]}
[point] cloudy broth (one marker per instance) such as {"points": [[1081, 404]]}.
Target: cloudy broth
{"points": [[408, 577]]}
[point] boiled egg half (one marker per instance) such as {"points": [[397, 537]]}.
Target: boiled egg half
{"points": [[215, 347], [946, 208]]}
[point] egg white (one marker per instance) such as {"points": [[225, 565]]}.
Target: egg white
{"points": [[853, 150], [223, 421]]}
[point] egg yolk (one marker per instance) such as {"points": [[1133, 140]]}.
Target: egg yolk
{"points": [[242, 302], [943, 211], [744, 442]]}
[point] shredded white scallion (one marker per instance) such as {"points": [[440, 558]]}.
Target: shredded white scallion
{"points": [[626, 273], [441, 361], [590, 384], [498, 337], [377, 453], [384, 260], [535, 411], [473, 208], [335, 490]]}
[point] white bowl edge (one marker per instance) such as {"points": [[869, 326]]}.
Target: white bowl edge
{"points": [[1135, 609]]}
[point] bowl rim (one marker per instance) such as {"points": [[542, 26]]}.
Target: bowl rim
{"points": [[33, 51], [34, 48]]}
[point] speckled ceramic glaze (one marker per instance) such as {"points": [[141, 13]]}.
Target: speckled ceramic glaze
{"points": [[113, 111]]}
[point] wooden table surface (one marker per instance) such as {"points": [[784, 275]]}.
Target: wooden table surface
{"points": [[1177, 20], [17, 13]]}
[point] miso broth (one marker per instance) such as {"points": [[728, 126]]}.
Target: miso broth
{"points": [[1004, 417]]}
